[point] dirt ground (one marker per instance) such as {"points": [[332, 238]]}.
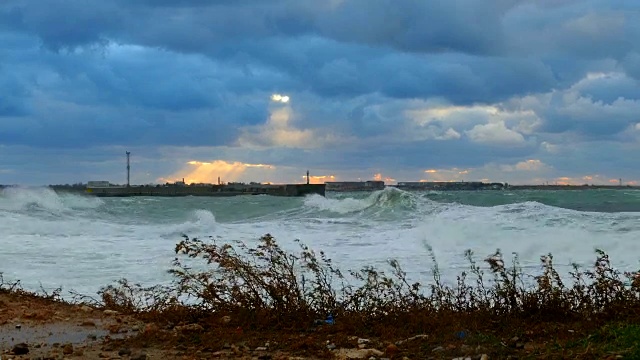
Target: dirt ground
{"points": [[32, 327], [54, 330]]}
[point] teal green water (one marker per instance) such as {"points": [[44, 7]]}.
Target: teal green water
{"points": [[85, 242], [581, 200]]}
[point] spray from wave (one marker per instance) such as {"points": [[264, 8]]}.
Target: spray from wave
{"points": [[200, 223], [389, 199], [27, 199]]}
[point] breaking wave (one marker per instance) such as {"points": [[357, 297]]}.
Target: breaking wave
{"points": [[44, 199], [389, 199]]}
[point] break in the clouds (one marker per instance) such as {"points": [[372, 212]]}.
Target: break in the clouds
{"points": [[262, 90]]}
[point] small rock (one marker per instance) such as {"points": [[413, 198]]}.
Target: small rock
{"points": [[20, 349], [421, 336], [345, 354], [88, 323], [124, 351], [438, 349], [18, 326], [225, 319], [331, 346], [67, 349], [363, 341], [391, 349], [466, 349], [484, 357], [110, 312], [86, 308], [529, 347], [115, 329], [141, 356], [151, 328], [362, 346], [190, 327], [261, 348]]}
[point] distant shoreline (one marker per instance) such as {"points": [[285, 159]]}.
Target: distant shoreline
{"points": [[83, 189]]}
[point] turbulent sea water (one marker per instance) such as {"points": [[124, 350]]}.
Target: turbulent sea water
{"points": [[83, 243]]}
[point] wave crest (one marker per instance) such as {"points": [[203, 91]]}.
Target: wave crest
{"points": [[388, 199], [44, 199]]}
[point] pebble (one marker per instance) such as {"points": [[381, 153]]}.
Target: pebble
{"points": [[261, 348], [110, 312], [20, 349], [484, 357], [190, 327], [363, 341], [438, 349], [67, 349]]}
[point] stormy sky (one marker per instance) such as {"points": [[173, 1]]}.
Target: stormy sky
{"points": [[521, 91]]}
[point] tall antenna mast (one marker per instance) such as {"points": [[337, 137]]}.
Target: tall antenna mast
{"points": [[128, 169]]}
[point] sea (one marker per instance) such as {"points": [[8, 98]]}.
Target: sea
{"points": [[82, 243]]}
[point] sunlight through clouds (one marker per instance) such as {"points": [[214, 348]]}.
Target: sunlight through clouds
{"points": [[208, 172]]}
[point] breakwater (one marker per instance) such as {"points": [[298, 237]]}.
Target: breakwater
{"points": [[208, 190]]}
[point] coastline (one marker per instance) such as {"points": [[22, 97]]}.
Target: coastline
{"points": [[271, 315]]}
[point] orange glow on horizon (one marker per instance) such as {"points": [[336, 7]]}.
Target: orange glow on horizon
{"points": [[209, 171], [386, 179], [319, 179]]}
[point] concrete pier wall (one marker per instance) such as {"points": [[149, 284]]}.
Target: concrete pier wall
{"points": [[212, 190]]}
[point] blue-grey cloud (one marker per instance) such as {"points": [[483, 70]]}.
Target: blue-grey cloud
{"points": [[403, 85]]}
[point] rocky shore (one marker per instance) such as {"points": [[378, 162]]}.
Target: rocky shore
{"points": [[256, 306], [33, 327]]}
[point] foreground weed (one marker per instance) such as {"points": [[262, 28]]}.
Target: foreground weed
{"points": [[265, 286]]}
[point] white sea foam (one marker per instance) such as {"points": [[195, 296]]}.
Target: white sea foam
{"points": [[83, 243]]}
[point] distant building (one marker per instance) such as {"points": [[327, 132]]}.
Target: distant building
{"points": [[354, 185], [98, 184], [448, 185]]}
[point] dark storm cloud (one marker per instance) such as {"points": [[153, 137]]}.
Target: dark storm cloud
{"points": [[88, 74]]}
